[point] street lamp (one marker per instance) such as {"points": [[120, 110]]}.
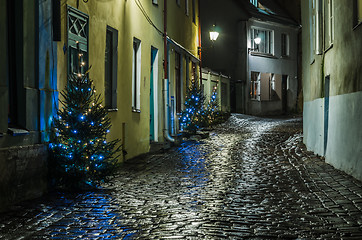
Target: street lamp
{"points": [[257, 41], [214, 34]]}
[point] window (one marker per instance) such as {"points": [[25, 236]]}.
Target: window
{"points": [[266, 41], [318, 37], [357, 12], [328, 23], [178, 2], [285, 44], [154, 2], [254, 86], [193, 73], [254, 2], [110, 78], [77, 41], [193, 11], [136, 75], [312, 29], [187, 7], [266, 86]]}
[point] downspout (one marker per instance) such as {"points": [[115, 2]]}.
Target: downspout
{"points": [[199, 48], [166, 131]]}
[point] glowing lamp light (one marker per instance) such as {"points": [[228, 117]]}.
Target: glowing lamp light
{"points": [[214, 33], [257, 40], [214, 36]]}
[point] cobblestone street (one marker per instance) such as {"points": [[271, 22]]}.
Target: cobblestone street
{"points": [[251, 179]]}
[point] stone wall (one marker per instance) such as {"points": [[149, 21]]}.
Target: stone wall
{"points": [[23, 174]]}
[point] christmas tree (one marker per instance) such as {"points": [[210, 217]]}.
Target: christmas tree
{"points": [[213, 109], [80, 153], [194, 116]]}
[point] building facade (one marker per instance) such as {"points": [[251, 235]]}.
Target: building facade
{"points": [[272, 68], [124, 46], [332, 82], [264, 75]]}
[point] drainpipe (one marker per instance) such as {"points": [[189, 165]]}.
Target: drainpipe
{"points": [[199, 48], [166, 131]]}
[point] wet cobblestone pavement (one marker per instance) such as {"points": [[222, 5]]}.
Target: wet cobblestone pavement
{"points": [[252, 179]]}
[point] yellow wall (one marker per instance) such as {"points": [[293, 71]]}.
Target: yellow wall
{"points": [[126, 17]]}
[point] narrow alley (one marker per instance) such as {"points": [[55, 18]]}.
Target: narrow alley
{"points": [[251, 179]]}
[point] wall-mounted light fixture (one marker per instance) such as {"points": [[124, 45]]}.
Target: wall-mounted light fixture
{"points": [[257, 41], [214, 33]]}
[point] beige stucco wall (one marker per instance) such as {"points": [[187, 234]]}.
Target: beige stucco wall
{"points": [[342, 60], [127, 18], [335, 134]]}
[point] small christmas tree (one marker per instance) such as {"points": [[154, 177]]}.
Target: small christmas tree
{"points": [[194, 116], [213, 109], [80, 153]]}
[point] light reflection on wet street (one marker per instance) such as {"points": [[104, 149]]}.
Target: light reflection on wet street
{"points": [[251, 179]]}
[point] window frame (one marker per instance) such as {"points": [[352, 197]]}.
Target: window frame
{"points": [[110, 102], [285, 45], [254, 2], [256, 47], [357, 15], [75, 40], [136, 75], [328, 24], [255, 85], [194, 11]]}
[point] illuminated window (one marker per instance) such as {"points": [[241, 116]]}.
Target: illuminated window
{"points": [[110, 80], [255, 86], [266, 44], [136, 75], [77, 38], [154, 2]]}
